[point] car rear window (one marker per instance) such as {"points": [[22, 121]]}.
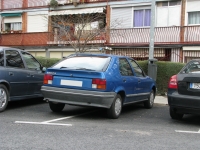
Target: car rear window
{"points": [[191, 67], [92, 63]]}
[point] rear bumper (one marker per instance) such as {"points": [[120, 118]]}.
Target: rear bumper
{"points": [[184, 103], [78, 97]]}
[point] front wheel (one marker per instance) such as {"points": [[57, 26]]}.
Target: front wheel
{"points": [[4, 97], [149, 103], [174, 114], [115, 110], [56, 107]]}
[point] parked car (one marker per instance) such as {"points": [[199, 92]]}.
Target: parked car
{"points": [[97, 80], [21, 76], [184, 91]]}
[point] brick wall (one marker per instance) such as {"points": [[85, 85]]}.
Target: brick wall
{"points": [[24, 39]]}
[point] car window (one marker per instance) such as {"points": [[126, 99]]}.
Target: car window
{"points": [[1, 58], [137, 70], [93, 63], [13, 59], [31, 62], [191, 67], [124, 67]]}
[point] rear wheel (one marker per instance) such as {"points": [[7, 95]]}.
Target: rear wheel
{"points": [[149, 103], [115, 110], [174, 114], [56, 107], [4, 97]]}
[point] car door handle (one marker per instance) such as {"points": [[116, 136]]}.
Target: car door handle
{"points": [[30, 75], [124, 80], [139, 81], [11, 74]]}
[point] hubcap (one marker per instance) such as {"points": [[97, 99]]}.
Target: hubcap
{"points": [[118, 106], [2, 98], [151, 98]]}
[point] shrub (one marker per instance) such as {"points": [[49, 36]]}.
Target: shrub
{"points": [[47, 62], [164, 71]]}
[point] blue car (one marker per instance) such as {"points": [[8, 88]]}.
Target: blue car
{"points": [[98, 80]]}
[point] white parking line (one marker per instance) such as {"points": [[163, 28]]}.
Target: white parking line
{"points": [[41, 123], [49, 122], [187, 131], [68, 117]]}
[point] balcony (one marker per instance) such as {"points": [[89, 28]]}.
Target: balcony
{"points": [[24, 39], [163, 36], [175, 35], [17, 4]]}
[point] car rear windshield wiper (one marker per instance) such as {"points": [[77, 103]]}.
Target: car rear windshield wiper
{"points": [[63, 67], [84, 69]]}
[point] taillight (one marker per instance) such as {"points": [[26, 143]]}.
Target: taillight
{"points": [[99, 84], [48, 79], [173, 82]]}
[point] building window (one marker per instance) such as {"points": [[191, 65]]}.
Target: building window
{"points": [[194, 17], [142, 18], [171, 3], [13, 26]]}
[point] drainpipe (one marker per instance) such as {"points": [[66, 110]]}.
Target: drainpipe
{"points": [[182, 30]]}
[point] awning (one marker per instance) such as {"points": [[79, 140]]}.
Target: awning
{"points": [[191, 48], [77, 11], [11, 14]]}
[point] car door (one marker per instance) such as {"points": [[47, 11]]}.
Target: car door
{"points": [[35, 73], [143, 82], [128, 80], [16, 74]]}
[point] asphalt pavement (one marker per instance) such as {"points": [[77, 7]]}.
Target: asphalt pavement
{"points": [[161, 100]]}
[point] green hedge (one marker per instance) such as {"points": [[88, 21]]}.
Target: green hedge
{"points": [[164, 71], [47, 62]]}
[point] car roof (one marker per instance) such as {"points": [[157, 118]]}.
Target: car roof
{"points": [[94, 54], [12, 48], [5, 47]]}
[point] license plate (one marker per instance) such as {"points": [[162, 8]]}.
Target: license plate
{"points": [[71, 83], [195, 85]]}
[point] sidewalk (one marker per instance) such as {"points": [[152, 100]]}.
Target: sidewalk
{"points": [[161, 100]]}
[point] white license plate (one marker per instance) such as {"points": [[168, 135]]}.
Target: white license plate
{"points": [[71, 83], [195, 85]]}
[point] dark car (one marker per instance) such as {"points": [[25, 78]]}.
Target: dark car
{"points": [[184, 91], [21, 76], [97, 80]]}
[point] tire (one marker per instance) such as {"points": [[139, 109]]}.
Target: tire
{"points": [[115, 110], [56, 107], [4, 97], [149, 103], [174, 114]]}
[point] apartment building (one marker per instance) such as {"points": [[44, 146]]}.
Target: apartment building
{"points": [[27, 24]]}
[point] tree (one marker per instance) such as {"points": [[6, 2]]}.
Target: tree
{"points": [[80, 31]]}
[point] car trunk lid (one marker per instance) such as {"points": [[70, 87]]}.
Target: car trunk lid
{"points": [[189, 84], [80, 79]]}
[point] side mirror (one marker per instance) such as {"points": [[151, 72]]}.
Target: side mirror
{"points": [[44, 69]]}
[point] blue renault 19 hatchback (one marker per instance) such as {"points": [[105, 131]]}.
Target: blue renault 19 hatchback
{"points": [[98, 80]]}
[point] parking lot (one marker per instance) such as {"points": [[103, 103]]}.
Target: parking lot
{"points": [[30, 124]]}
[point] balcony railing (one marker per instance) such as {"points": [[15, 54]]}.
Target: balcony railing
{"points": [[24, 39], [16, 4], [163, 35], [117, 37]]}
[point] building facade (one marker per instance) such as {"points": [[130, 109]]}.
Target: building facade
{"points": [[27, 24]]}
